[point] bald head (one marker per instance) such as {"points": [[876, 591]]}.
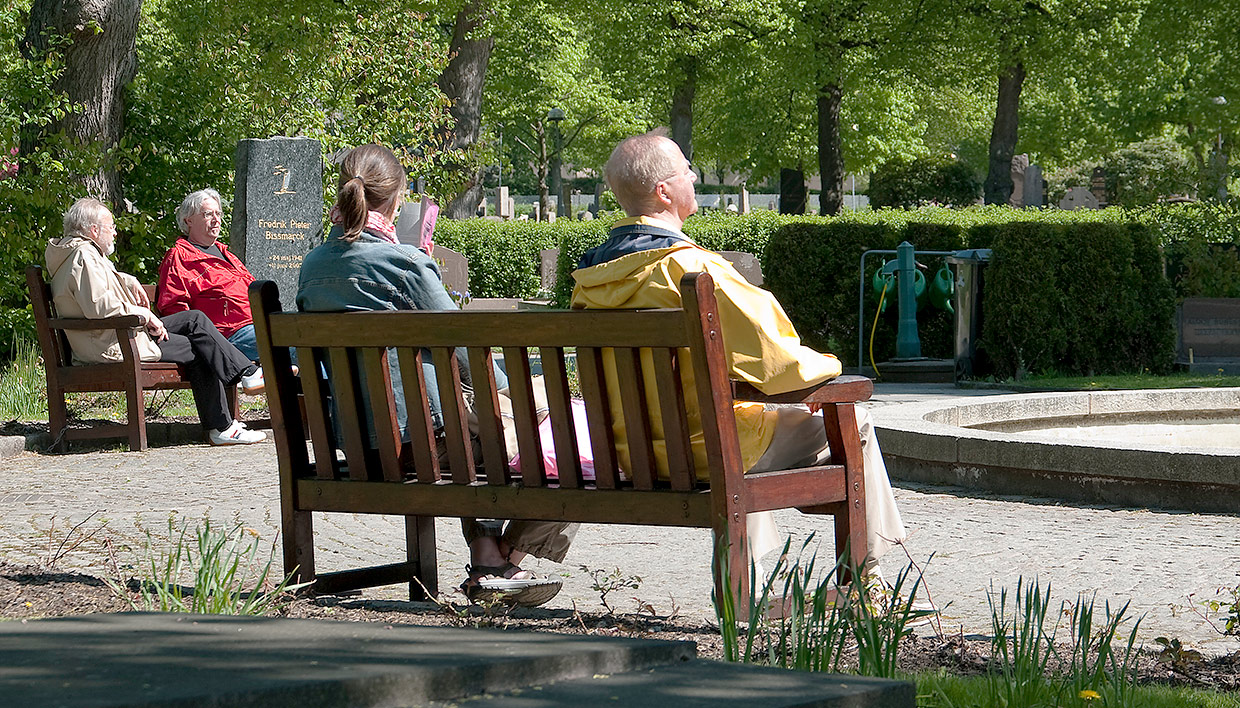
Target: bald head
{"points": [[637, 166]]}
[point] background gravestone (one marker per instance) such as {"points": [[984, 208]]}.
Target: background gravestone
{"points": [[747, 264], [1078, 198], [1035, 186], [453, 269], [1020, 164], [278, 208]]}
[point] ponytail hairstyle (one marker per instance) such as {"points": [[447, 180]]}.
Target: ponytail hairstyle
{"points": [[371, 179]]}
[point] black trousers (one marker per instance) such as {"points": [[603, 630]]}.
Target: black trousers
{"points": [[210, 361]]}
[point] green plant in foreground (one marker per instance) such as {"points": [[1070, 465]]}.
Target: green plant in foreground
{"points": [[1027, 668], [227, 578], [605, 583], [23, 387], [820, 621]]}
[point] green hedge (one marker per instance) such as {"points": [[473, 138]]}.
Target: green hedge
{"points": [[1084, 298]]}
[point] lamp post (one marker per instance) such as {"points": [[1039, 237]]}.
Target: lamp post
{"points": [[554, 116]]}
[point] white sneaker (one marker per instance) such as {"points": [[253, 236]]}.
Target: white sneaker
{"points": [[236, 434], [252, 384]]}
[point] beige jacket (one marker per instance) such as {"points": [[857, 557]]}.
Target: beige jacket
{"points": [[86, 284]]}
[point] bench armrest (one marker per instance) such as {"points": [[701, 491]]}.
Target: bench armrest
{"points": [[76, 323], [842, 389]]}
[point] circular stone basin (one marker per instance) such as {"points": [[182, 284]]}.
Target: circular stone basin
{"points": [[1176, 429], [1177, 448]]}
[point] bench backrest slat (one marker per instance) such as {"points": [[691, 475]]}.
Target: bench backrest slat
{"points": [[379, 390], [52, 341], [598, 415], [347, 393], [559, 403], [455, 415], [318, 415], [636, 420], [525, 416], [673, 417], [486, 408], [424, 456]]}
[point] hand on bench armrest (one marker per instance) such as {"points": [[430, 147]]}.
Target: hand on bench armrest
{"points": [[121, 322], [842, 389]]}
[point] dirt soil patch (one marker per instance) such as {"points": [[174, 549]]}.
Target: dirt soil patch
{"points": [[28, 592]]}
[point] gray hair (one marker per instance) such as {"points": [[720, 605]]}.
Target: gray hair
{"points": [[636, 167], [192, 204], [85, 213]]}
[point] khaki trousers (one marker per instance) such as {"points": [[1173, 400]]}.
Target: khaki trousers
{"points": [[801, 441]]}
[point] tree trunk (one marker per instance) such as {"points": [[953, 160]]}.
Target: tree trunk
{"points": [[99, 61], [462, 82], [682, 106], [998, 187], [830, 157]]}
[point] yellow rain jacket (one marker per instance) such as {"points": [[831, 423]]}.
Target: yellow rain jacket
{"points": [[762, 346]]}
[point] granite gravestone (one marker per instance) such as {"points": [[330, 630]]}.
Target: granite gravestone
{"points": [[1035, 186], [1020, 164], [278, 208], [747, 264], [1078, 198], [453, 270], [503, 205], [1209, 334], [547, 258]]}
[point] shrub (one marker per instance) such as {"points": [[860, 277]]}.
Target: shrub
{"points": [[1076, 298], [927, 179], [1144, 172]]}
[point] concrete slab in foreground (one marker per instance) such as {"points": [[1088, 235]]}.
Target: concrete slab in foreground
{"points": [[164, 660]]}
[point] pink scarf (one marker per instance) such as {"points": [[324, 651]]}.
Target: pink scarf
{"points": [[376, 224]]}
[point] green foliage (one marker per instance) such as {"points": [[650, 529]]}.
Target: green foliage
{"points": [[23, 387], [227, 578], [1201, 241], [1145, 172], [1080, 298], [1028, 669], [820, 620], [927, 179]]}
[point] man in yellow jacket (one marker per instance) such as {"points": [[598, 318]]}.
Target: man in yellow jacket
{"points": [[640, 265]]}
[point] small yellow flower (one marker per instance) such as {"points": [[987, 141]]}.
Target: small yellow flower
{"points": [[29, 604], [1089, 695]]}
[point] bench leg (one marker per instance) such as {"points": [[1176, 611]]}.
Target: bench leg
{"points": [[135, 401], [58, 418], [731, 543], [420, 553], [298, 529]]}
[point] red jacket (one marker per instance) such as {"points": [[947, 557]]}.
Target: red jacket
{"points": [[192, 280]]}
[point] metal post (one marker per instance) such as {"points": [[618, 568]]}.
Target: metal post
{"points": [[554, 116], [908, 345]]}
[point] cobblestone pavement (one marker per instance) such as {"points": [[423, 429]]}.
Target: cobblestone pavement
{"points": [[1154, 559]]}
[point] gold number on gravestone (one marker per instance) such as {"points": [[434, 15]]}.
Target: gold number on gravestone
{"points": [[282, 171]]}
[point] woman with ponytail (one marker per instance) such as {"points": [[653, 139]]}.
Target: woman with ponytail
{"points": [[361, 266]]}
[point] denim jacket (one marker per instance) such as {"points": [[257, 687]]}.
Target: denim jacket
{"points": [[373, 274]]}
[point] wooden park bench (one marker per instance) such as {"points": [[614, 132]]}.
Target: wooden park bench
{"points": [[131, 376], [350, 474]]}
